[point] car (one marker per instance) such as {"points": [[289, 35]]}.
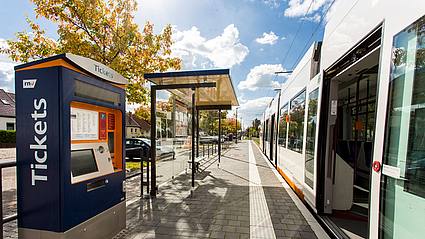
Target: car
{"points": [[215, 139], [162, 152]]}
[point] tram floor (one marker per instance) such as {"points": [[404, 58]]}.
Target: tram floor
{"points": [[354, 223]]}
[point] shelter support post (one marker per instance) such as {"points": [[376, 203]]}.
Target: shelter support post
{"points": [[193, 138], [219, 136], [153, 143], [197, 131]]}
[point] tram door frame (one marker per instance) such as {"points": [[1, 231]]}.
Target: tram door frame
{"points": [[325, 164], [272, 137]]}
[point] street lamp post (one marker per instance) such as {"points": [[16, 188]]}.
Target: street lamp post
{"points": [[241, 128]]}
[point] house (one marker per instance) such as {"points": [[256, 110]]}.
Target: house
{"points": [[145, 128], [136, 127], [132, 128], [7, 111]]}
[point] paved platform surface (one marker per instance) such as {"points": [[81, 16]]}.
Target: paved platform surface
{"points": [[242, 198]]}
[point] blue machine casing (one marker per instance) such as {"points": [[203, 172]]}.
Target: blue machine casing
{"points": [[46, 198]]}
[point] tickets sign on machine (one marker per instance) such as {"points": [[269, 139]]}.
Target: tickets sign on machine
{"points": [[70, 148]]}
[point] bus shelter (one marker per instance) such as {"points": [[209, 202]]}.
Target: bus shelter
{"points": [[206, 90]]}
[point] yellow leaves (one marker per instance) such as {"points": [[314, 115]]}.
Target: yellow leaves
{"points": [[103, 31]]}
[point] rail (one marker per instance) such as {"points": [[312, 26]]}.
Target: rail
{"points": [[210, 149], [10, 218]]}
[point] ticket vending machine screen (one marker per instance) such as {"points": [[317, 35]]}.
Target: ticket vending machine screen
{"points": [[83, 162], [94, 148], [90, 160]]}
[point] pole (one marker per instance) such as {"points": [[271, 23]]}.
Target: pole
{"points": [[193, 138], [174, 116], [153, 142], [219, 135], [236, 125], [197, 133]]}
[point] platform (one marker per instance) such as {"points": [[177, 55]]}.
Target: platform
{"points": [[242, 198]]}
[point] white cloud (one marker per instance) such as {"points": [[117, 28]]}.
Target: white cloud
{"points": [[260, 77], [249, 109], [131, 107], [7, 72], [315, 18], [240, 98], [268, 38], [271, 3], [298, 8], [223, 51]]}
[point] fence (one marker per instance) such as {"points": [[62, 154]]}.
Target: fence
{"points": [[12, 217]]}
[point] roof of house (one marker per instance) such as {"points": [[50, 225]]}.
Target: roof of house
{"points": [[130, 122], [143, 124], [7, 104], [12, 95]]}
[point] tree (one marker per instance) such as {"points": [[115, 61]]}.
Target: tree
{"points": [[209, 120], [144, 112], [102, 30], [231, 125]]}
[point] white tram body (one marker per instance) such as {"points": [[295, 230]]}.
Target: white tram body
{"points": [[347, 130]]}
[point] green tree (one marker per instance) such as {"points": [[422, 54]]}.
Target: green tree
{"points": [[102, 30], [209, 121]]}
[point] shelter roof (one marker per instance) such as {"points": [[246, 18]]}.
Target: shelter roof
{"points": [[220, 97]]}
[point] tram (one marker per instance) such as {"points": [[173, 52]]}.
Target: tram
{"points": [[347, 130]]}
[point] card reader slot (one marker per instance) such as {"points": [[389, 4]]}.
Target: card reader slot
{"points": [[95, 185]]}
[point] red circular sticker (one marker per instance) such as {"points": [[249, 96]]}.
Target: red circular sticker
{"points": [[376, 166]]}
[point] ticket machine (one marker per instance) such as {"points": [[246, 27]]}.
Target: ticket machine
{"points": [[70, 148]]}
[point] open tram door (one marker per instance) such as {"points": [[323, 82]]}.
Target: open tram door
{"points": [[346, 133]]}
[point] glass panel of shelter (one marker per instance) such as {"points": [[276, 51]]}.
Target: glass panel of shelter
{"points": [[173, 133]]}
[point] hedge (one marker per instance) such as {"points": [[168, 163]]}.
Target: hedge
{"points": [[7, 136]]}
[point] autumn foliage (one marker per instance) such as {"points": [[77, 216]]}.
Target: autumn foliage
{"points": [[102, 30]]}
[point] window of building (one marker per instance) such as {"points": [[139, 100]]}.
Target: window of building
{"points": [[10, 126]]}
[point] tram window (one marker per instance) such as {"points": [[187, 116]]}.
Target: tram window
{"points": [[404, 142], [296, 124], [370, 114], [311, 137], [283, 126], [405, 130], [266, 126], [415, 164]]}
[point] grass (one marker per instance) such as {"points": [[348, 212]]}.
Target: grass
{"points": [[133, 165]]}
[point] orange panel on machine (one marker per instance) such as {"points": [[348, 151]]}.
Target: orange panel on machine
{"points": [[110, 125]]}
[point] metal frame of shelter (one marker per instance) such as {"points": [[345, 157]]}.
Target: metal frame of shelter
{"points": [[209, 90]]}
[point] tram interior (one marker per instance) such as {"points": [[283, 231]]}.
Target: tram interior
{"points": [[354, 135]]}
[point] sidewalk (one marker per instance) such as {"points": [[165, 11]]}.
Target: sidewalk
{"points": [[244, 198]]}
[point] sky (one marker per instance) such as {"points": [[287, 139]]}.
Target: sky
{"points": [[252, 38]]}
